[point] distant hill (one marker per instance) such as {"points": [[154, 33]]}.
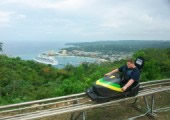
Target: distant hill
{"points": [[106, 47]]}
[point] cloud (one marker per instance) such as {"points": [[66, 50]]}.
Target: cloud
{"points": [[82, 19], [131, 18], [21, 16], [50, 4], [7, 18]]}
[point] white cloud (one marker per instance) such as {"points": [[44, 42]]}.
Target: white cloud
{"points": [[87, 18], [21, 16], [127, 18], [50, 4], [7, 18]]}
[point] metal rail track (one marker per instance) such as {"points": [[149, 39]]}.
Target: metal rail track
{"points": [[70, 103]]}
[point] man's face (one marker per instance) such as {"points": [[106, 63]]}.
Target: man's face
{"points": [[129, 65]]}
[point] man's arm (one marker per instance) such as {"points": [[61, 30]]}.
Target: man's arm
{"points": [[128, 84], [110, 73]]}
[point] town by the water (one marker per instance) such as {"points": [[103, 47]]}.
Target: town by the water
{"points": [[106, 51]]}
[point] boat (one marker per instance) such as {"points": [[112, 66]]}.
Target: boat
{"points": [[46, 60], [51, 53]]}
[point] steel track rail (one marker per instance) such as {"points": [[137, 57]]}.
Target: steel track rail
{"points": [[42, 101], [52, 104], [154, 81], [71, 99], [53, 112], [60, 108], [143, 84], [43, 111]]}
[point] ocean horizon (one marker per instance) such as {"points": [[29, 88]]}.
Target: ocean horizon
{"points": [[30, 50], [25, 49]]}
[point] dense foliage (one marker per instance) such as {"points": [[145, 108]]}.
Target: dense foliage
{"points": [[26, 80], [157, 64]]}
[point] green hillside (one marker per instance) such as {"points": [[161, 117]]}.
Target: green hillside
{"points": [[109, 47], [26, 80]]}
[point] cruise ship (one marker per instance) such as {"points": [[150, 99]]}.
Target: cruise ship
{"points": [[46, 60]]}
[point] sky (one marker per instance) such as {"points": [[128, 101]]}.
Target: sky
{"points": [[84, 20]]}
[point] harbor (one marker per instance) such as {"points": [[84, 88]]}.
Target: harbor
{"points": [[61, 59]]}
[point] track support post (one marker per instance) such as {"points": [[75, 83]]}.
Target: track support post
{"points": [[149, 108], [81, 115]]}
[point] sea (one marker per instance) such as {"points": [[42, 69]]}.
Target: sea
{"points": [[30, 50]]}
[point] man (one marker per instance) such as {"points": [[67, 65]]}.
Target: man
{"points": [[129, 77]]}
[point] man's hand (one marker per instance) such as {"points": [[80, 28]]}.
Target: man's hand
{"points": [[128, 84], [108, 74], [112, 72], [124, 88]]}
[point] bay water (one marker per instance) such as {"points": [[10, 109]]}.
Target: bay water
{"points": [[29, 50]]}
